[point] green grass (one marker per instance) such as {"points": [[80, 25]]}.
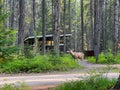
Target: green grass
{"points": [[39, 64], [92, 83], [106, 58]]}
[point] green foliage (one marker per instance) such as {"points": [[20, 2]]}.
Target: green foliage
{"points": [[7, 87], [117, 57], [22, 86], [107, 58], [67, 60], [7, 37], [6, 43], [91, 59], [28, 52], [95, 82], [38, 64]]}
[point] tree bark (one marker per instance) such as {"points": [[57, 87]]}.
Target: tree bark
{"points": [[56, 26], [96, 30], [116, 23], [21, 24], [34, 14], [75, 25], [91, 26], [6, 11], [43, 26], [82, 24], [12, 14], [64, 28], [116, 4], [69, 11]]}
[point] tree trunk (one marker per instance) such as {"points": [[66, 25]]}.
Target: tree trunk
{"points": [[21, 24], [116, 23], [34, 14], [75, 25], [16, 15], [96, 30], [82, 25], [91, 26], [6, 11], [56, 26], [12, 14], [104, 26], [43, 26], [37, 48], [101, 23], [116, 4], [111, 25], [69, 11], [64, 28]]}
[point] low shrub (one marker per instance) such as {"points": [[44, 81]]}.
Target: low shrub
{"points": [[38, 64], [91, 83], [91, 59], [22, 86], [68, 61], [106, 58]]}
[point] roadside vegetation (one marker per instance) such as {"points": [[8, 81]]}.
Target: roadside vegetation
{"points": [[106, 58], [95, 82], [22, 86], [38, 64]]}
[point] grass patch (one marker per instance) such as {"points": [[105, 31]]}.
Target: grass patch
{"points": [[95, 82]]}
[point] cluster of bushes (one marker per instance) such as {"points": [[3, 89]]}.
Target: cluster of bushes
{"points": [[38, 64], [106, 58], [91, 83]]}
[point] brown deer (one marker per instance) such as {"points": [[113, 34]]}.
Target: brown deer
{"points": [[77, 55]]}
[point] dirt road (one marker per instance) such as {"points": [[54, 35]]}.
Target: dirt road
{"points": [[49, 79]]}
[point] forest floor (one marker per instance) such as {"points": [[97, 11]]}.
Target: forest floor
{"points": [[41, 81]]}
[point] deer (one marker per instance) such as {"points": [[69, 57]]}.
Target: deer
{"points": [[77, 55]]}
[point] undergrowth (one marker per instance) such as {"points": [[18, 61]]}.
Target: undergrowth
{"points": [[38, 64], [22, 86], [106, 58], [95, 82]]}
